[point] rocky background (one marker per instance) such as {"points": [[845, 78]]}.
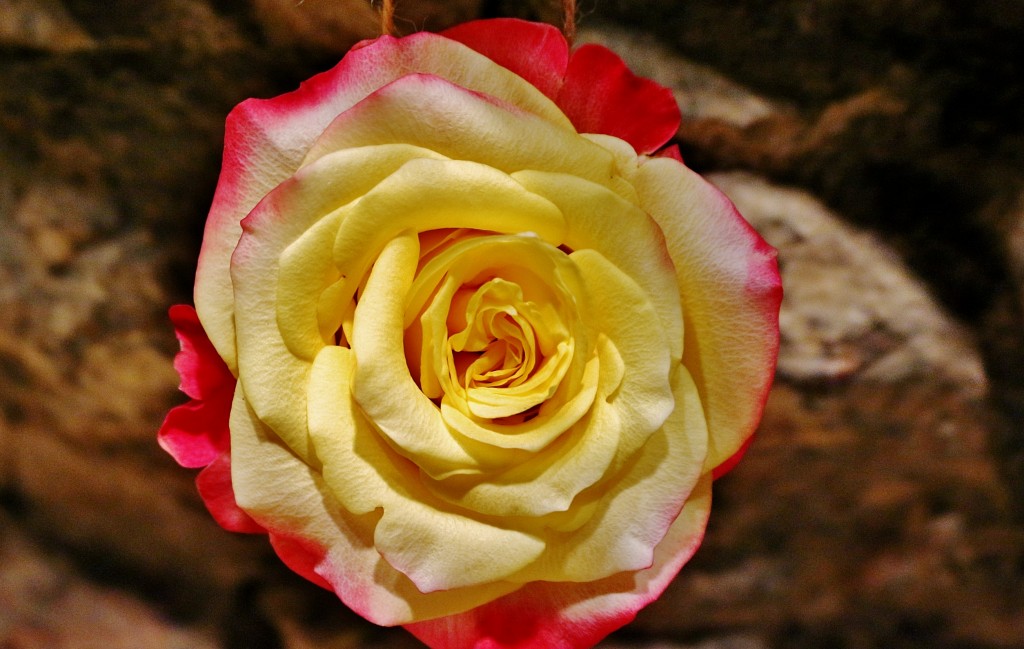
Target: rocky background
{"points": [[879, 145]]}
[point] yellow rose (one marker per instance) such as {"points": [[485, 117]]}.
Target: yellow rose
{"points": [[483, 349]]}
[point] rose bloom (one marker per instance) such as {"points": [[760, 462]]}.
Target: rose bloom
{"points": [[470, 345]]}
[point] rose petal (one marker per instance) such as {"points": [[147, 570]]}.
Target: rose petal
{"points": [[266, 141], [600, 220], [636, 504], [214, 484], [202, 371], [569, 615], [382, 378], [731, 291], [196, 433], [457, 122], [601, 95], [536, 52], [319, 537]]}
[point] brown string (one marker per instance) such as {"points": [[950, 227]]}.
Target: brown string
{"points": [[569, 20], [387, 17]]}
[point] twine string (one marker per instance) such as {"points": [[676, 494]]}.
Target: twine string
{"points": [[387, 18], [569, 20]]}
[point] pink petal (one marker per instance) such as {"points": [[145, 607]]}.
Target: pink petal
{"points": [[601, 95], [535, 51], [201, 369], [196, 433], [214, 484], [671, 151], [302, 556]]}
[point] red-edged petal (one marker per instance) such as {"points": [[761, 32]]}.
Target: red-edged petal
{"points": [[573, 615], [734, 459], [601, 95], [201, 369], [214, 484], [535, 51], [196, 433], [671, 151], [265, 142], [302, 556], [729, 280]]}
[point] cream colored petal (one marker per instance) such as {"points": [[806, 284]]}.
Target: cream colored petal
{"points": [[730, 288], [600, 220], [360, 469], [382, 384], [274, 373], [292, 501], [437, 549], [624, 313], [440, 550], [433, 113], [635, 507], [432, 194], [564, 614]]}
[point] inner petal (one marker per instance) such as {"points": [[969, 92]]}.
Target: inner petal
{"points": [[491, 325], [500, 334], [496, 354]]}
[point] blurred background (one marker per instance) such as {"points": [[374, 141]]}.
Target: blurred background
{"points": [[879, 145]]}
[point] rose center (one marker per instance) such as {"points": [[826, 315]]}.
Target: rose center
{"points": [[489, 336], [497, 346]]}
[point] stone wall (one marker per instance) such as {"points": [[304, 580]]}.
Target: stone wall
{"points": [[878, 145]]}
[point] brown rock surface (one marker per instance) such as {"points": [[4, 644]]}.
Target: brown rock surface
{"points": [[880, 504]]}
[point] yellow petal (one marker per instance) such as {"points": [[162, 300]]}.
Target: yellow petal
{"points": [[291, 500], [278, 332], [598, 219], [730, 289], [433, 113], [382, 384], [435, 548], [635, 507]]}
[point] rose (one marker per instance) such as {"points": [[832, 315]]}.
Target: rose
{"points": [[469, 368]]}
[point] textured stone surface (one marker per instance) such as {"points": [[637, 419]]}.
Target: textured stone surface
{"points": [[851, 309], [879, 506], [45, 602]]}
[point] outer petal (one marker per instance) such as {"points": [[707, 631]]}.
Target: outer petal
{"points": [[214, 484], [535, 51], [601, 95], [573, 615], [266, 141], [196, 433], [320, 540], [731, 290], [202, 371], [594, 87]]}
